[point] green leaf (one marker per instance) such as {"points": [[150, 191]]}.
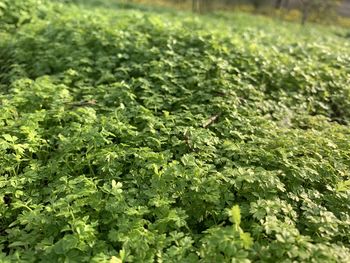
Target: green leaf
{"points": [[343, 186], [235, 214], [9, 138]]}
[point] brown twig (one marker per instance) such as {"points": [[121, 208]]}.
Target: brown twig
{"points": [[187, 139], [211, 120], [83, 103]]}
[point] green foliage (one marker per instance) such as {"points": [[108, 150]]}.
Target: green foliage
{"points": [[133, 136], [14, 13]]}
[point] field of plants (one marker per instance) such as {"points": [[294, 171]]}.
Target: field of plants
{"points": [[129, 134]]}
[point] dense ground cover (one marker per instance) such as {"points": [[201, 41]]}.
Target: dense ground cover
{"points": [[139, 136]]}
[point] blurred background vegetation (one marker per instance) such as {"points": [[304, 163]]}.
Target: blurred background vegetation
{"points": [[320, 11]]}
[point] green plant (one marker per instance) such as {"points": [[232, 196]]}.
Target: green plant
{"points": [[138, 136]]}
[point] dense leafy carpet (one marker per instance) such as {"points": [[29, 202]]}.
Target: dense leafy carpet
{"points": [[136, 135]]}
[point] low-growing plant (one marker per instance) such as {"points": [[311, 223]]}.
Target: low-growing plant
{"points": [[137, 136]]}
